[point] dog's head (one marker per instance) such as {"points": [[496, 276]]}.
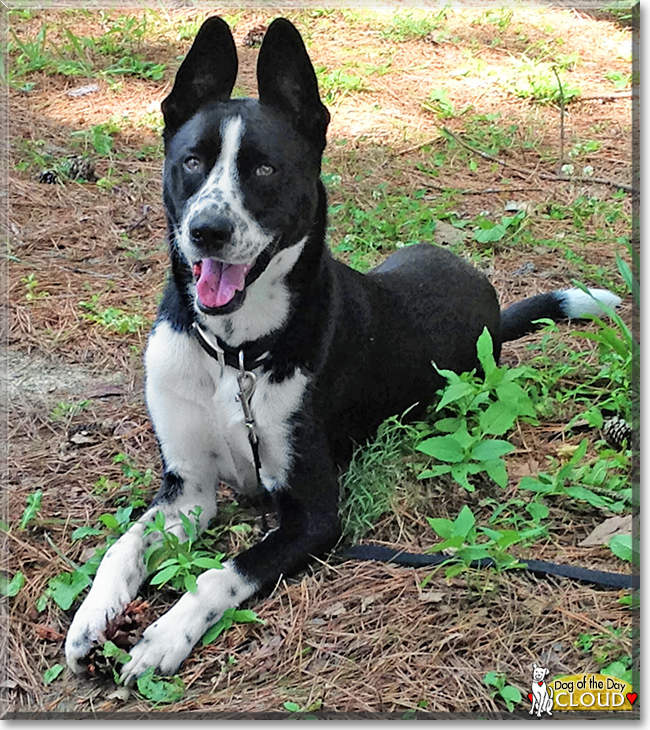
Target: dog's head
{"points": [[241, 176], [539, 673]]}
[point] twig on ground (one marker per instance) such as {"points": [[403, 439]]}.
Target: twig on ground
{"points": [[559, 85], [527, 174], [626, 94]]}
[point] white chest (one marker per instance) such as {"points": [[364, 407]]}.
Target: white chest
{"points": [[199, 419]]}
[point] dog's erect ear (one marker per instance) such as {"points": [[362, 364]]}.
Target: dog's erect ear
{"points": [[208, 73], [534, 666], [545, 672], [286, 80]]}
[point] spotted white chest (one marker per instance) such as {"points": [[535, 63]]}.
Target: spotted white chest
{"points": [[199, 420]]}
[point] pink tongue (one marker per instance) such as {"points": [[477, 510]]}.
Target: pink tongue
{"points": [[218, 282]]}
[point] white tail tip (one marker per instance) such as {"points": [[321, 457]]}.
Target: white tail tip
{"points": [[577, 303]]}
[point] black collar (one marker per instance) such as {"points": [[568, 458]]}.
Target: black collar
{"points": [[248, 357]]}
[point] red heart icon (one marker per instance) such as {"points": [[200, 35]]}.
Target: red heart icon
{"points": [[632, 697], [530, 696], [540, 683]]}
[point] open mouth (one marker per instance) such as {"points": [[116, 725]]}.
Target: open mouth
{"points": [[218, 283]]}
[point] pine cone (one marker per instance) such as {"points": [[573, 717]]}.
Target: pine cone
{"points": [[617, 432], [81, 168], [125, 630], [255, 36], [48, 177]]}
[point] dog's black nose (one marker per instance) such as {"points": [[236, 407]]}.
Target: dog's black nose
{"points": [[211, 233]]}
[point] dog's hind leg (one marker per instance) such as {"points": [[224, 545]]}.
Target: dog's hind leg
{"points": [[308, 515]]}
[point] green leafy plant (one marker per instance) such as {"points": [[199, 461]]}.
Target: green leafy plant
{"points": [[623, 547], [440, 104], [160, 691], [117, 657], [582, 482], [334, 85], [619, 80], [480, 408], [63, 410], [412, 24], [230, 617], [49, 675], [175, 562], [31, 287], [490, 232], [32, 508], [462, 536], [295, 708], [11, 586], [507, 692], [112, 318]]}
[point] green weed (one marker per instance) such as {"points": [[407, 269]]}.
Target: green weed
{"points": [[64, 411], [11, 586], [470, 543], [395, 220], [49, 675], [507, 692], [596, 482], [334, 85], [32, 508], [412, 25], [112, 318], [479, 408], [619, 80], [368, 486], [158, 690], [536, 80], [440, 104], [31, 286], [230, 617], [175, 562], [111, 54]]}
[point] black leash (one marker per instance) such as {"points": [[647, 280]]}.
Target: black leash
{"points": [[244, 363], [383, 554]]}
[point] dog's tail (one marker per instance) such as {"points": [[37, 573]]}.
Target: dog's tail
{"points": [[518, 319]]}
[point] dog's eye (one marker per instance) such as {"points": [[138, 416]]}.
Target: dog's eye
{"points": [[192, 164], [264, 170]]}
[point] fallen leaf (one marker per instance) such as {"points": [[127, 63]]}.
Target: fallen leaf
{"points": [[336, 609], [603, 533], [432, 596], [447, 235], [47, 633], [121, 693]]}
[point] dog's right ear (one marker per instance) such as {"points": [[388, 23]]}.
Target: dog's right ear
{"points": [[534, 666], [207, 74]]}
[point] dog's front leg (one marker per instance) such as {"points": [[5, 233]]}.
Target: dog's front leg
{"points": [[123, 570], [309, 525]]}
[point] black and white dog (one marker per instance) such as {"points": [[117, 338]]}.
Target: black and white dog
{"points": [[269, 359]]}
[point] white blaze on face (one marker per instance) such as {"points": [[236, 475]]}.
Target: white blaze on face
{"points": [[221, 196]]}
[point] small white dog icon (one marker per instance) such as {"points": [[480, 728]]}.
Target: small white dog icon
{"points": [[542, 695]]}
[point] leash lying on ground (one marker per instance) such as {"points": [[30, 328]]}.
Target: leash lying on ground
{"points": [[383, 554]]}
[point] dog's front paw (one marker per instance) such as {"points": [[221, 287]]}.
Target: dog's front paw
{"points": [[164, 646], [87, 629]]}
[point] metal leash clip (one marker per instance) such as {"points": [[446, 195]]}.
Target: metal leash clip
{"points": [[247, 382]]}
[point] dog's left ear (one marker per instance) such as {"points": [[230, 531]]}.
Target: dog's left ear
{"points": [[545, 672], [286, 80], [207, 74]]}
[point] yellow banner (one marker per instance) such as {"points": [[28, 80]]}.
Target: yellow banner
{"points": [[593, 692]]}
